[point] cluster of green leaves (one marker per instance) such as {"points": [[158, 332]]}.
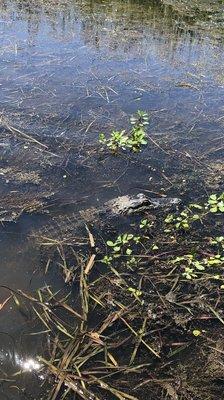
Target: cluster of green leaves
{"points": [[190, 265], [136, 293], [216, 203], [134, 140], [140, 119], [121, 246], [218, 241], [195, 212], [146, 224], [182, 220], [193, 266]]}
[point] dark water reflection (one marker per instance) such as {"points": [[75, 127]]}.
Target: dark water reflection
{"points": [[71, 69]]}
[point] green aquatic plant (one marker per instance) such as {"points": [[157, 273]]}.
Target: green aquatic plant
{"points": [[122, 245], [136, 293], [107, 260], [137, 139], [216, 203], [141, 118], [218, 241], [120, 242], [184, 219], [133, 140], [145, 224], [118, 139], [193, 266], [190, 266]]}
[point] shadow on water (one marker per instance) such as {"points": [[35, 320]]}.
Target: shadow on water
{"points": [[71, 69]]}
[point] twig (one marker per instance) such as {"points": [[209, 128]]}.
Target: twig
{"points": [[12, 129]]}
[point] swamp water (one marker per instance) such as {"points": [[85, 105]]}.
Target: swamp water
{"points": [[68, 71]]}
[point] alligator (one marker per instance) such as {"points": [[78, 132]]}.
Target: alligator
{"points": [[135, 204], [63, 227]]}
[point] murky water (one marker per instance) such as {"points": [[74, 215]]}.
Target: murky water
{"points": [[69, 70]]}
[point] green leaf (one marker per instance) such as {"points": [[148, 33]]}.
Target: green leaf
{"points": [[169, 219], [116, 249], [102, 138], [195, 217], [129, 237], [129, 252], [196, 332], [221, 207], [196, 206], [199, 266], [214, 261], [110, 243]]}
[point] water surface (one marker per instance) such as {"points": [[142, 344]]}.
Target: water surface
{"points": [[72, 69]]}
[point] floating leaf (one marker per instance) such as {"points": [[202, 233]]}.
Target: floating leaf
{"points": [[196, 332]]}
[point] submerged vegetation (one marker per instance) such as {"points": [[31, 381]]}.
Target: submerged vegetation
{"points": [[152, 304]]}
